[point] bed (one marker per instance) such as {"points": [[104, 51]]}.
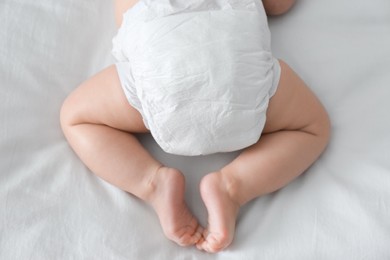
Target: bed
{"points": [[52, 207]]}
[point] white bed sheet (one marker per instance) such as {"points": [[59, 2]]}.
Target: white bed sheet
{"points": [[52, 207]]}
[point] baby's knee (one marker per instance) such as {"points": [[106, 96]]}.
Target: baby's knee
{"points": [[68, 113], [321, 128], [65, 115], [326, 129]]}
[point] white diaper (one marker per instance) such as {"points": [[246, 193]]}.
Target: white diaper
{"points": [[200, 72]]}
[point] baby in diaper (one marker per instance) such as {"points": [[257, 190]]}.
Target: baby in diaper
{"points": [[199, 75]]}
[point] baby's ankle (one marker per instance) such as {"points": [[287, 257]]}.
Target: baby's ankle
{"points": [[150, 184], [229, 184], [233, 187], [159, 181]]}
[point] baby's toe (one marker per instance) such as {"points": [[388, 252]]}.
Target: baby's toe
{"points": [[187, 238], [198, 235], [215, 243]]}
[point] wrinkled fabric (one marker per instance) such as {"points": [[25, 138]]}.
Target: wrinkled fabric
{"points": [[201, 73]]}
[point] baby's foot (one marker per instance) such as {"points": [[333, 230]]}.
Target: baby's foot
{"points": [[167, 199], [222, 209]]}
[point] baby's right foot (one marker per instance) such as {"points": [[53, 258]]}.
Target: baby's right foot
{"points": [[167, 199], [222, 209]]}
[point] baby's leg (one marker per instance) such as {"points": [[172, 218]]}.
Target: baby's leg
{"points": [[295, 134], [98, 122]]}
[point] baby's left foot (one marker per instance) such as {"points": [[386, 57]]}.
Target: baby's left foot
{"points": [[177, 221], [222, 209]]}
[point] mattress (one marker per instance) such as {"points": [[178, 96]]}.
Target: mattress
{"points": [[53, 207]]}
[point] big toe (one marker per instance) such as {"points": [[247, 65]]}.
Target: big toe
{"points": [[186, 236], [214, 243]]}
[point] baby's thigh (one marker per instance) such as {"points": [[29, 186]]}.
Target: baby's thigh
{"points": [[101, 100], [294, 106]]}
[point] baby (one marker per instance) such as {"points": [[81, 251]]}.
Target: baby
{"points": [[101, 116]]}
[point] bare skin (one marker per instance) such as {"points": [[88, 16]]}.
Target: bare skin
{"points": [[98, 121], [295, 134], [99, 124], [277, 7]]}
